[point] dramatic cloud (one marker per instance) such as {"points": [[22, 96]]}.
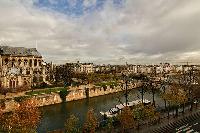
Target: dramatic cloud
{"points": [[104, 31]]}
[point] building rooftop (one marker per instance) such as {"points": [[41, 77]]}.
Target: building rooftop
{"points": [[19, 51]]}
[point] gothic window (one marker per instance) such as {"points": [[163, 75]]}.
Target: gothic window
{"points": [[47, 78], [40, 63], [19, 62], [40, 79], [14, 84], [25, 62], [21, 70], [6, 61], [35, 72], [34, 79], [27, 71], [25, 83], [30, 62], [13, 62], [40, 72], [35, 62], [10, 84]]}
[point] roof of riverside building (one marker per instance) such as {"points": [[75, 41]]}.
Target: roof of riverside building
{"points": [[19, 51]]}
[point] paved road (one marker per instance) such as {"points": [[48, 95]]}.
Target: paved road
{"points": [[188, 124]]}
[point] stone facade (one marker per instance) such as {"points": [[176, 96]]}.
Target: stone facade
{"points": [[20, 66], [87, 67]]}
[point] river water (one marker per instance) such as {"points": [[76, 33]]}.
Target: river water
{"points": [[54, 116]]}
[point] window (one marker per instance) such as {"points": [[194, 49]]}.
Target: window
{"points": [[27, 71], [13, 62], [35, 62], [21, 71], [19, 62], [30, 62], [40, 63], [25, 62], [6, 61]]}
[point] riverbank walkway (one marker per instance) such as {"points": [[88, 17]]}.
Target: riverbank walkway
{"points": [[173, 123]]}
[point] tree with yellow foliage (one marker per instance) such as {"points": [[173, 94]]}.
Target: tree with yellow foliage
{"points": [[145, 113], [91, 122], [126, 119], [175, 96], [22, 120]]}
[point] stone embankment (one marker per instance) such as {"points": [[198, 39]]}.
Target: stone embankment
{"points": [[75, 93]]}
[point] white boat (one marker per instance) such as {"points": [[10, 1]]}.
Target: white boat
{"points": [[114, 111]]}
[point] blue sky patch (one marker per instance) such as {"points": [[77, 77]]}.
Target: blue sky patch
{"points": [[75, 7]]}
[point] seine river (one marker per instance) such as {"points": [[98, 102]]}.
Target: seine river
{"points": [[54, 116]]}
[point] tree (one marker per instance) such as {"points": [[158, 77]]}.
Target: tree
{"points": [[153, 86], [64, 73], [145, 83], [144, 112], [109, 125], [126, 119], [175, 96], [150, 113], [63, 94], [91, 123], [22, 120], [138, 112], [71, 124]]}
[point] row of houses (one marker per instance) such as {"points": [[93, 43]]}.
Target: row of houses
{"points": [[21, 66], [130, 68]]}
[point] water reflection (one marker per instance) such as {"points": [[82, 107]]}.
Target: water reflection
{"points": [[54, 116]]}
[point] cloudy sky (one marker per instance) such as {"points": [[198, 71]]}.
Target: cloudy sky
{"points": [[104, 31]]}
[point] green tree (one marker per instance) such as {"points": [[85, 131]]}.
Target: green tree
{"points": [[63, 93], [110, 125]]}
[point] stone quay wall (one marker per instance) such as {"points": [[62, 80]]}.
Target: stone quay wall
{"points": [[76, 93]]}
